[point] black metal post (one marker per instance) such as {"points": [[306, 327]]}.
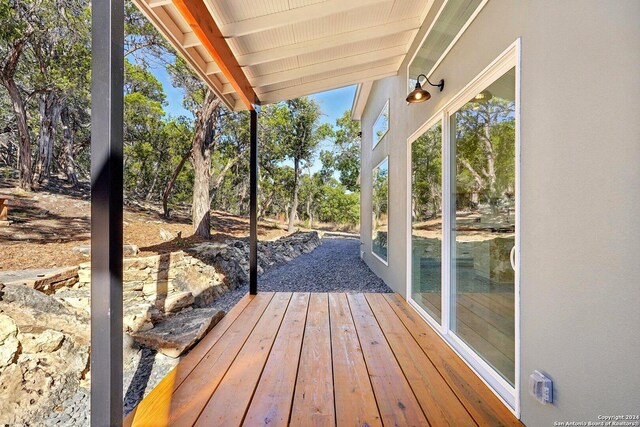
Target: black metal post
{"points": [[107, 65], [253, 206]]}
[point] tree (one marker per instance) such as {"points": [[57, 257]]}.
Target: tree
{"points": [[206, 106], [485, 149], [16, 30], [345, 157], [296, 123]]}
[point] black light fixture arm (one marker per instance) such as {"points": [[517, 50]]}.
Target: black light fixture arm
{"points": [[439, 85]]}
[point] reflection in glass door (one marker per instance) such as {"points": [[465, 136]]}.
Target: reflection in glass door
{"points": [[483, 198], [426, 221]]}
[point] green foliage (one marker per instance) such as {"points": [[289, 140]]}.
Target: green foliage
{"points": [[338, 206], [426, 173], [345, 157]]}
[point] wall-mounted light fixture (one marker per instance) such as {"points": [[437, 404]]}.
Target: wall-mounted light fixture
{"points": [[421, 95]]}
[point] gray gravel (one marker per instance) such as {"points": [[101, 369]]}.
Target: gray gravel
{"points": [[335, 266]]}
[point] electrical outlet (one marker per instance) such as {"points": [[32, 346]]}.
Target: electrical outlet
{"points": [[541, 387]]}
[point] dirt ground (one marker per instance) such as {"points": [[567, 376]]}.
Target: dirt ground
{"points": [[47, 224]]}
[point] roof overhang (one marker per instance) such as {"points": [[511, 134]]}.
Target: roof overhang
{"points": [[252, 52], [360, 99]]}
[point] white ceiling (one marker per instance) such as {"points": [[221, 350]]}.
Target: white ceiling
{"points": [[291, 48]]}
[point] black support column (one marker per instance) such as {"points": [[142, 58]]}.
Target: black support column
{"points": [[107, 67], [253, 205]]}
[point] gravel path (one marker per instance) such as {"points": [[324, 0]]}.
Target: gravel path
{"points": [[334, 266]]}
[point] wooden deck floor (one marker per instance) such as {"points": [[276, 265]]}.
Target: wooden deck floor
{"points": [[321, 359]]}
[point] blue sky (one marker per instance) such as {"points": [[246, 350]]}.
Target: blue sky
{"points": [[333, 104]]}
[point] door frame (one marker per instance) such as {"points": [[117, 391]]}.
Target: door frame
{"points": [[508, 59]]}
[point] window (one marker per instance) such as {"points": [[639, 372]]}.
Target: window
{"points": [[452, 19], [380, 210], [381, 125], [426, 220]]}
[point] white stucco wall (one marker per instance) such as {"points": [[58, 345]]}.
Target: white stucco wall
{"points": [[580, 190]]}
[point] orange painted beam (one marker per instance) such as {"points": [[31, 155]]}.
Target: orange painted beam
{"points": [[197, 15]]}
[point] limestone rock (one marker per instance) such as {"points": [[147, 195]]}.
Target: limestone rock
{"points": [[9, 343], [179, 333], [46, 280], [175, 302], [52, 356], [28, 307], [46, 341]]}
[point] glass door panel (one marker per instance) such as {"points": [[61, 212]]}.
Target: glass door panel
{"points": [[483, 225], [426, 221]]}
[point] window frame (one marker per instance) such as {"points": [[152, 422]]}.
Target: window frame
{"points": [[386, 107], [382, 260], [508, 59]]}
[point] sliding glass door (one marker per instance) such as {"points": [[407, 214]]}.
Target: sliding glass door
{"points": [[483, 222], [464, 226]]}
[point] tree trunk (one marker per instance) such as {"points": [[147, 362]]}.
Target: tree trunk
{"points": [[48, 107], [203, 142], [217, 182], [309, 212], [172, 181], [264, 206], [24, 151], [7, 72], [294, 205], [68, 160], [153, 182]]}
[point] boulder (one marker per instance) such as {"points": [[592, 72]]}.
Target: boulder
{"points": [[175, 302], [178, 333], [44, 354], [45, 341], [9, 343]]}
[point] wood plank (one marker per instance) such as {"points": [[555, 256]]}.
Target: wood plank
{"points": [[502, 323], [349, 59], [180, 372], [230, 401], [321, 84], [482, 404], [475, 327], [507, 300], [481, 298], [396, 401], [428, 305], [333, 40], [293, 16], [271, 403], [313, 399], [355, 401], [182, 406], [438, 401], [197, 15]]}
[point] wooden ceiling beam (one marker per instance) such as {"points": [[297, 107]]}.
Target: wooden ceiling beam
{"points": [[334, 40], [197, 15], [294, 16]]}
